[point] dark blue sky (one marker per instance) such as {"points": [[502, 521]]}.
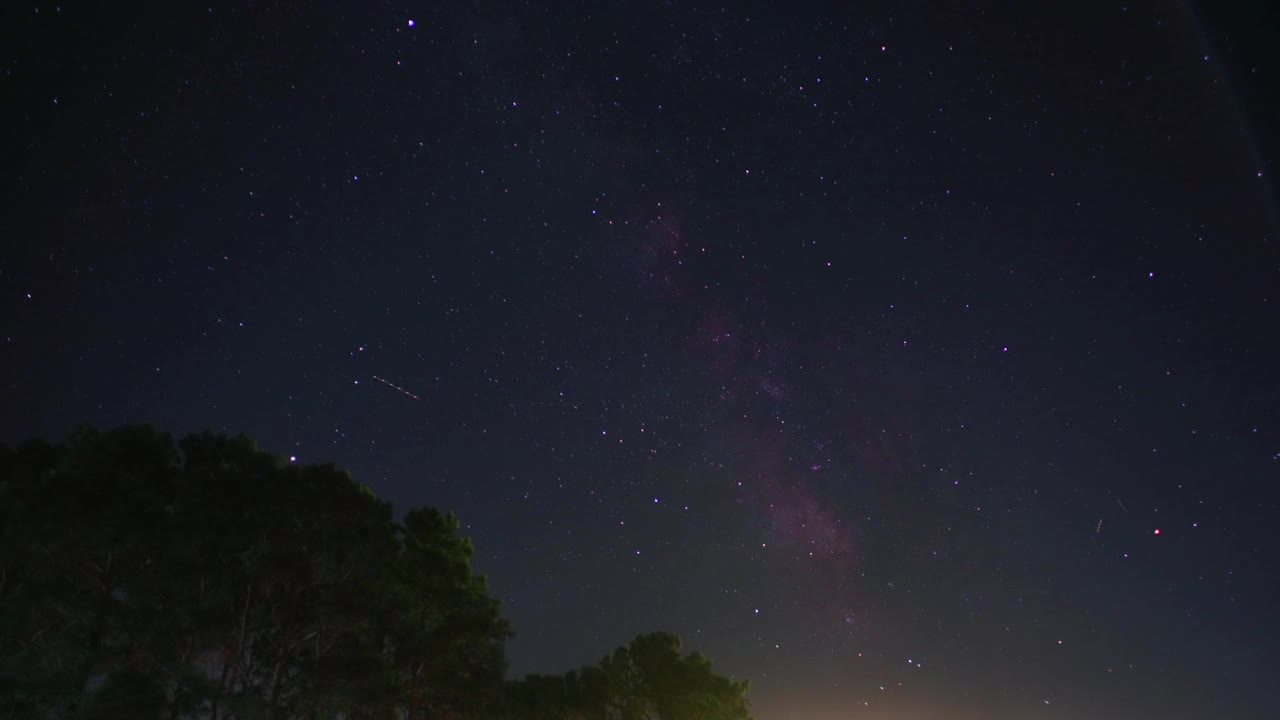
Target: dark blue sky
{"points": [[867, 349]]}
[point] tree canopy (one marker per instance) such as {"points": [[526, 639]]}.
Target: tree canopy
{"points": [[207, 579], [647, 679], [146, 578]]}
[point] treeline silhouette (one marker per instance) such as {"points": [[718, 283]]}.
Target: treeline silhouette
{"points": [[146, 578]]}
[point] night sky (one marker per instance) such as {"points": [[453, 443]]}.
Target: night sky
{"points": [[911, 360]]}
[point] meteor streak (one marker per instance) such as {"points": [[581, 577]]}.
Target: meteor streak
{"points": [[396, 387]]}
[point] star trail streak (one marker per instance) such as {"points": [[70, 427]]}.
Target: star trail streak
{"points": [[396, 387]]}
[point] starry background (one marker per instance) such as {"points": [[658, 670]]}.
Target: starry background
{"points": [[914, 360]]}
